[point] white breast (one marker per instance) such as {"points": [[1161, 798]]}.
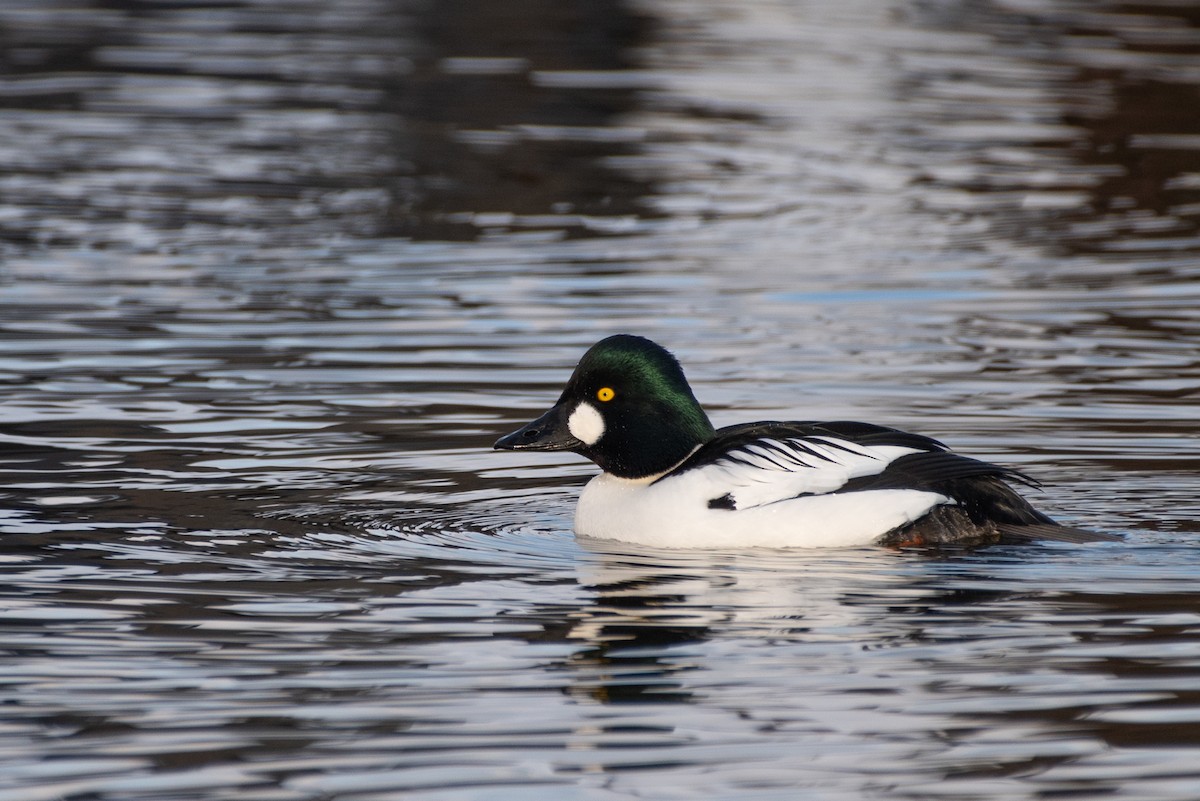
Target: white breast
{"points": [[674, 513]]}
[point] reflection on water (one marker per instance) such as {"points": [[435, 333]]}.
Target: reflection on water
{"points": [[496, 132], [1095, 150], [276, 274]]}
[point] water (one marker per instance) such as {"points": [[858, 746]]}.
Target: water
{"points": [[275, 275]]}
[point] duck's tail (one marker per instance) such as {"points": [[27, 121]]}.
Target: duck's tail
{"points": [[1051, 532]]}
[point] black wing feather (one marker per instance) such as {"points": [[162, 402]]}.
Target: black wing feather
{"points": [[871, 434], [930, 471]]}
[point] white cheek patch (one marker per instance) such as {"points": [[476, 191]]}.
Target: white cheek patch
{"points": [[586, 424]]}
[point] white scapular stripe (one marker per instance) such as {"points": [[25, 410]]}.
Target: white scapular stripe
{"points": [[768, 470]]}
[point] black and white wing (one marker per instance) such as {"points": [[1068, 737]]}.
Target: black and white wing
{"points": [[763, 463], [755, 465]]}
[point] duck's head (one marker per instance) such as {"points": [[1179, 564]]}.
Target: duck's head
{"points": [[627, 407]]}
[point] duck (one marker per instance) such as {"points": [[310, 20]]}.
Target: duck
{"points": [[670, 479]]}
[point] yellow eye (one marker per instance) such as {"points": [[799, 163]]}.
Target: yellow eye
{"points": [[605, 394]]}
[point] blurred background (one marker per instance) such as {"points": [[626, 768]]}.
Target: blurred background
{"points": [[274, 274]]}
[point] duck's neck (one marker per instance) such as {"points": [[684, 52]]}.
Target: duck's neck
{"points": [[647, 449]]}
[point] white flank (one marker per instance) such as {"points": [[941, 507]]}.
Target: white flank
{"points": [[586, 424], [674, 513]]}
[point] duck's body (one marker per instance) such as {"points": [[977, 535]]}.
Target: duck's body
{"points": [[671, 480], [770, 484]]}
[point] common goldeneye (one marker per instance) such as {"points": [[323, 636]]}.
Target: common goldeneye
{"points": [[671, 480]]}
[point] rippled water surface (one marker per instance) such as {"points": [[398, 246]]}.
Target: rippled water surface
{"points": [[274, 274]]}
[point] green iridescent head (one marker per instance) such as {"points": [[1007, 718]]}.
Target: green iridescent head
{"points": [[627, 407]]}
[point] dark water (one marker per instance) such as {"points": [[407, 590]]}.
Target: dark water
{"points": [[275, 274]]}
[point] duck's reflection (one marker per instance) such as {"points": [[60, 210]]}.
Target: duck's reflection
{"points": [[649, 607], [929, 659]]}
